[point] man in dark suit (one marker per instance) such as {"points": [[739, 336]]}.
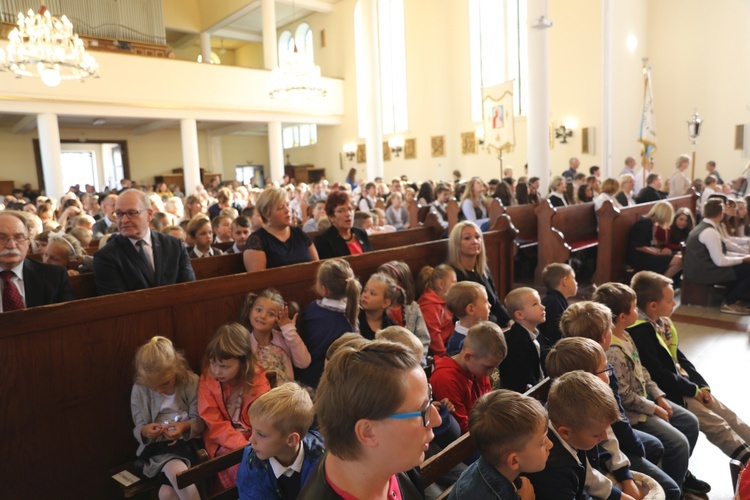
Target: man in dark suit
{"points": [[138, 258], [108, 209], [652, 192], [26, 283]]}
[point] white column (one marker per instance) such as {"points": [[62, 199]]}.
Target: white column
{"points": [[215, 155], [190, 159], [538, 117], [49, 146], [275, 151], [206, 47], [374, 125], [607, 8], [270, 56]]}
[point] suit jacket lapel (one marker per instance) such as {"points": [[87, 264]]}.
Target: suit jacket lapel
{"points": [[33, 284], [156, 245], [135, 258]]}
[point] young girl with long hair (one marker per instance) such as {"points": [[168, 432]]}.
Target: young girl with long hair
{"points": [[164, 405], [231, 380], [406, 314], [274, 338], [436, 281]]}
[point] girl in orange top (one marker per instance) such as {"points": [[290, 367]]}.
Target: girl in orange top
{"points": [[435, 282], [231, 381]]}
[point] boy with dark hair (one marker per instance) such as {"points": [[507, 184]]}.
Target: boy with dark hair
{"points": [[510, 431], [240, 233]]}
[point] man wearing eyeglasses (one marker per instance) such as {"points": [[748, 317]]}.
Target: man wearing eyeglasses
{"points": [[25, 282], [138, 258]]}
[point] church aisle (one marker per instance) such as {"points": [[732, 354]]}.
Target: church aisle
{"points": [[719, 346]]}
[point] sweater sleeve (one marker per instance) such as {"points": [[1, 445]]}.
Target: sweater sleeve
{"points": [[296, 349]]}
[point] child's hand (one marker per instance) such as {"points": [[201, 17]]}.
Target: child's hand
{"points": [[151, 431], [625, 496], [630, 488], [284, 317], [704, 396], [661, 413], [663, 403], [448, 405], [526, 491], [180, 428]]}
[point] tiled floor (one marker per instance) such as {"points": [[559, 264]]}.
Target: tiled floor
{"points": [[719, 346]]}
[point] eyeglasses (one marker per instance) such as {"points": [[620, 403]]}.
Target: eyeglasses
{"points": [[425, 414], [132, 214], [18, 238], [346, 210], [610, 371]]}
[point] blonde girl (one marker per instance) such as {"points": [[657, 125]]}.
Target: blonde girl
{"points": [[436, 282], [326, 319], [164, 405], [230, 382], [274, 339], [472, 203], [407, 314]]}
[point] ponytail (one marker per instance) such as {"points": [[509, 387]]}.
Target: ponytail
{"points": [[424, 279], [353, 291]]}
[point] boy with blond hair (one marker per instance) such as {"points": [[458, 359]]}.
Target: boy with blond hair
{"points": [[580, 353], [649, 412], [283, 451], [581, 408], [463, 378], [510, 431], [655, 337], [560, 280], [521, 368], [468, 302]]}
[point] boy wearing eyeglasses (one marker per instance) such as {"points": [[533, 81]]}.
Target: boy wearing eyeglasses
{"points": [[510, 432], [644, 402]]}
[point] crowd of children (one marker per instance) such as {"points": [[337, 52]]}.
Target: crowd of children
{"points": [[623, 412]]}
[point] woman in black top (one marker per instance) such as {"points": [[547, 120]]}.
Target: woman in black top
{"points": [[341, 239], [467, 257], [644, 252], [277, 243]]}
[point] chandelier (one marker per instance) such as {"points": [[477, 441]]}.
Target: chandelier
{"points": [[45, 46], [297, 79]]}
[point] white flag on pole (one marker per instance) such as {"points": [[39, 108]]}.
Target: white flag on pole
{"points": [[647, 133]]}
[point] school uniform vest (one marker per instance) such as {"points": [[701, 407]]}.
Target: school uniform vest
{"points": [[698, 266]]}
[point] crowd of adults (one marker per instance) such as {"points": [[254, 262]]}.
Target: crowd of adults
{"points": [[147, 235]]}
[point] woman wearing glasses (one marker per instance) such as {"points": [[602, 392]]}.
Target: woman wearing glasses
{"points": [[373, 408], [279, 242], [341, 238]]}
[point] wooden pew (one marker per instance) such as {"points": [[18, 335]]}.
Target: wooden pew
{"points": [[223, 265], [438, 465], [68, 368], [562, 232], [614, 231]]}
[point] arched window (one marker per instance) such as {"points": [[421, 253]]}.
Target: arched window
{"points": [[304, 38], [498, 50], [286, 46], [392, 51]]}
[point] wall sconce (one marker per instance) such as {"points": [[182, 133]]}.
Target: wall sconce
{"points": [[350, 150], [396, 143], [479, 134], [563, 133]]}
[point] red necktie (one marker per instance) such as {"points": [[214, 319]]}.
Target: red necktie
{"points": [[11, 297]]}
